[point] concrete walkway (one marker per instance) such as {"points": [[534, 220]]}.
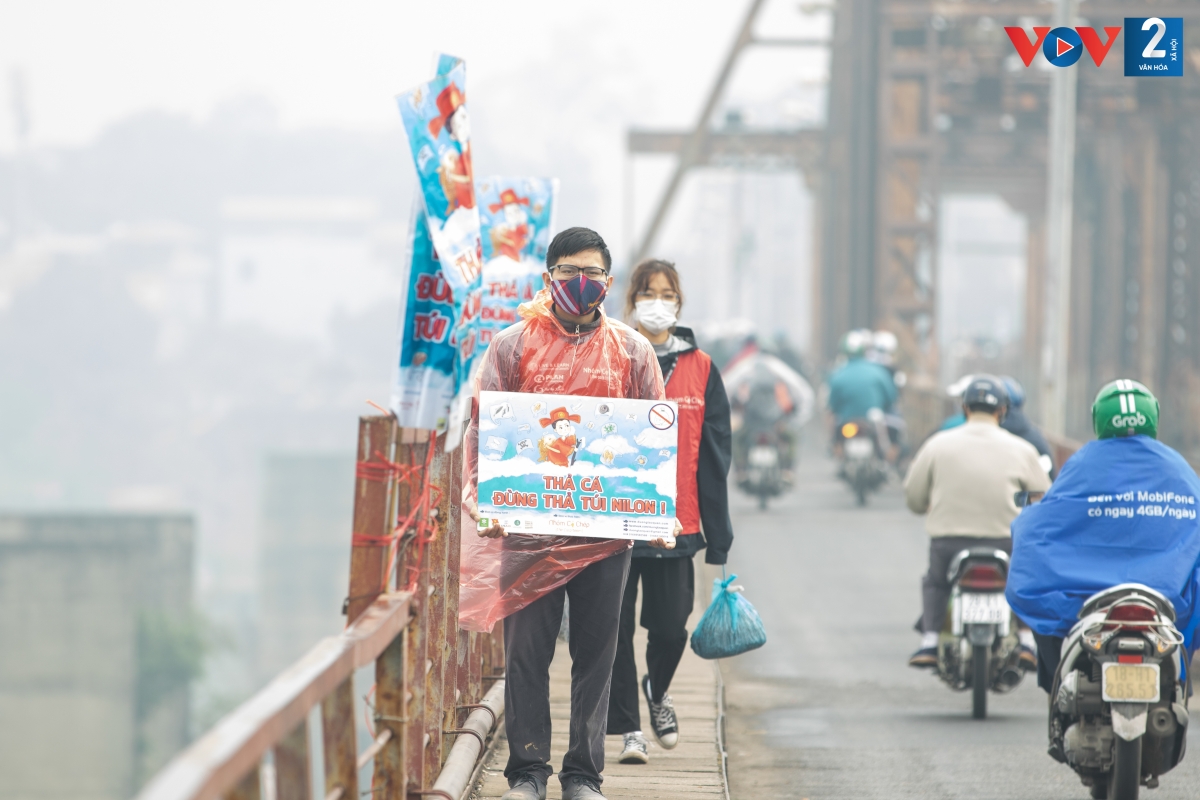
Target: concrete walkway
{"points": [[692, 769]]}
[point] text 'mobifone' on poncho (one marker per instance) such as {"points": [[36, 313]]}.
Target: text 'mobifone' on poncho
{"points": [[1122, 511]]}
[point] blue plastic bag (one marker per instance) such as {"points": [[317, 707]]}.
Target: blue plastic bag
{"points": [[730, 626]]}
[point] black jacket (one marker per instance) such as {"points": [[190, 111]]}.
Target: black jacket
{"points": [[1016, 423], [712, 472]]}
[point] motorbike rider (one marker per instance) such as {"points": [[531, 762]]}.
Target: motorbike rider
{"points": [[965, 480], [1018, 424], [858, 386], [766, 396], [702, 506], [1123, 510], [1015, 421]]}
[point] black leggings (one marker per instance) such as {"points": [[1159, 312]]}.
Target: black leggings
{"points": [[668, 590]]}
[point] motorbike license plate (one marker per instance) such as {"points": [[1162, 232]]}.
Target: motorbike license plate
{"points": [[860, 448], [1129, 683], [763, 457], [985, 608]]}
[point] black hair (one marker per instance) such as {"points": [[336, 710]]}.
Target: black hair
{"points": [[577, 240], [986, 408]]}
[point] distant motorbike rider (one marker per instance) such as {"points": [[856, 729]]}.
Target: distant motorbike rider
{"points": [[858, 387], [1124, 509], [767, 397], [965, 481]]}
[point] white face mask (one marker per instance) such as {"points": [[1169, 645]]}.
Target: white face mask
{"points": [[655, 315]]}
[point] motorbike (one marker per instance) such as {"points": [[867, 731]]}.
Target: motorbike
{"points": [[1119, 714], [863, 465], [762, 475], [978, 647]]}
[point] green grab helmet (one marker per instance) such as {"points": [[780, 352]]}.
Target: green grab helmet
{"points": [[1125, 408]]}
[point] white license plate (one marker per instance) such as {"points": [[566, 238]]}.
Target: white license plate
{"points": [[860, 448], [1129, 683], [990, 608]]}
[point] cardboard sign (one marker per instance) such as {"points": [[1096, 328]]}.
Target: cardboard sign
{"points": [[566, 465]]}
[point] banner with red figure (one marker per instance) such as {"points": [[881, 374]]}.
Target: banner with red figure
{"points": [[517, 217]]}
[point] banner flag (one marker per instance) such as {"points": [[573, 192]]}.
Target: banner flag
{"points": [[439, 135], [517, 218], [425, 382], [436, 121]]}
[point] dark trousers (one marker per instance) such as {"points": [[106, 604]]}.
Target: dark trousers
{"points": [[529, 640], [668, 593], [935, 588], [1049, 654]]}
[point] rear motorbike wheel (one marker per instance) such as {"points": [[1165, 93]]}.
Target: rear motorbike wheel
{"points": [[1126, 775], [980, 656], [860, 492], [762, 502]]}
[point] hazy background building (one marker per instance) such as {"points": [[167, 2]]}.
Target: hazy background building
{"points": [[100, 644]]}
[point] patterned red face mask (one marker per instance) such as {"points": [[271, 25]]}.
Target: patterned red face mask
{"points": [[579, 295]]}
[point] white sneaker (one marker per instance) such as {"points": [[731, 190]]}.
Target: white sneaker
{"points": [[635, 749]]}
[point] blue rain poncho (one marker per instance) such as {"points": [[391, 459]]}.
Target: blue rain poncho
{"points": [[1122, 511]]}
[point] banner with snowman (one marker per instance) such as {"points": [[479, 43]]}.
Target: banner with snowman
{"points": [[577, 466]]}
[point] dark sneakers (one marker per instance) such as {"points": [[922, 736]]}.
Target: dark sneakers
{"points": [[525, 787], [662, 717], [925, 658], [580, 788]]}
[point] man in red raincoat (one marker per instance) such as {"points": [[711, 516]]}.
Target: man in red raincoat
{"points": [[564, 344]]}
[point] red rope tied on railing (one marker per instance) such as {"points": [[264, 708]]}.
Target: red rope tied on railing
{"points": [[419, 518], [377, 471], [416, 526]]}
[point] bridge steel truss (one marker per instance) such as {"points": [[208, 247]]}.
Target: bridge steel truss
{"points": [[927, 98]]}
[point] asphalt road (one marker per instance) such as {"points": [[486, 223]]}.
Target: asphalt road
{"points": [[829, 708]]}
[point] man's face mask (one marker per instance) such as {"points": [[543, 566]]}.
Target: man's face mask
{"points": [[579, 295]]}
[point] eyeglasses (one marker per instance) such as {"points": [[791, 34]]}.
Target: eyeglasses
{"points": [[569, 271], [666, 297]]}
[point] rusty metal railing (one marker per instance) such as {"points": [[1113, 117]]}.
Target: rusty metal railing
{"points": [[403, 604]]}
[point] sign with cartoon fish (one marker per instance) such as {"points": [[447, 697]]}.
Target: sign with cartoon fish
{"points": [[563, 479]]}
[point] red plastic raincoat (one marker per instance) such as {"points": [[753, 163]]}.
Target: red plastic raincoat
{"points": [[543, 355]]}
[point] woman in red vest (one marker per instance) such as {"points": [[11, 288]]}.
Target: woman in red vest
{"points": [[702, 508]]}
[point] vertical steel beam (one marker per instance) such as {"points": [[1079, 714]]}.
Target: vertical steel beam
{"points": [[248, 788], [391, 704], [340, 745], [293, 770], [373, 507], [437, 624]]}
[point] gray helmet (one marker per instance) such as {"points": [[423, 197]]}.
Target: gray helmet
{"points": [[985, 393]]}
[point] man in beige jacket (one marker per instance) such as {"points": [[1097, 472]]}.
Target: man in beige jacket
{"points": [[964, 480]]}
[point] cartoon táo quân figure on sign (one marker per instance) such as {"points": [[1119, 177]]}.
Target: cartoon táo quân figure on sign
{"points": [[560, 446]]}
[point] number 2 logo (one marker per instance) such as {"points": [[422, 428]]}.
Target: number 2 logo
{"points": [[1160, 32]]}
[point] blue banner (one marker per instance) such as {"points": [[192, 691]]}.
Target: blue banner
{"points": [[425, 384], [517, 219]]}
